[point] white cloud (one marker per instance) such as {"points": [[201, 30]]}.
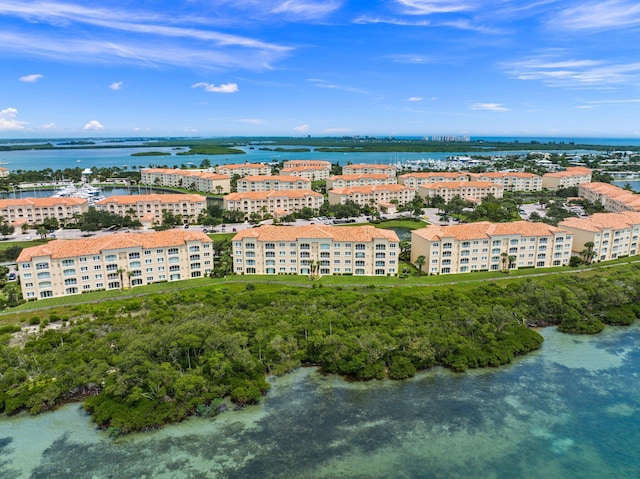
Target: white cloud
{"points": [[93, 125], [306, 9], [607, 15], [31, 78], [252, 121], [49, 126], [116, 85], [301, 128], [333, 86], [222, 88], [409, 58], [415, 98], [8, 120], [429, 7], [489, 107]]}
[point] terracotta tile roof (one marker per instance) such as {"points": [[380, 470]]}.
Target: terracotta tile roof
{"points": [[600, 221], [168, 198], [369, 189], [303, 168], [262, 195], [485, 229], [335, 233], [42, 202], [295, 163], [98, 245], [433, 174], [570, 171], [366, 165], [455, 185], [287, 178], [241, 166], [360, 176], [503, 174], [193, 173]]}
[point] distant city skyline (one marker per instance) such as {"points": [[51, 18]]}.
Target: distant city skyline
{"points": [[515, 68]]}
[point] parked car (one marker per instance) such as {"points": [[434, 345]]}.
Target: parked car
{"points": [[12, 276]]}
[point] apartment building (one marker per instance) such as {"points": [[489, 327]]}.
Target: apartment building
{"points": [[511, 181], [613, 198], [297, 163], [4, 172], [613, 234], [316, 249], [467, 190], [34, 210], [192, 179], [372, 195], [486, 246], [415, 180], [188, 206], [364, 179], [121, 260], [245, 169], [572, 176], [312, 172], [364, 169], [269, 182], [276, 203]]}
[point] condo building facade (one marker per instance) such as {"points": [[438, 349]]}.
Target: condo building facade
{"points": [[372, 195], [33, 211], [613, 198], [415, 180], [467, 190], [511, 181], [270, 183], [366, 169], [188, 206], [312, 172], [609, 235], [316, 249], [192, 179], [276, 203], [486, 246], [121, 260], [572, 176], [245, 169], [347, 181]]}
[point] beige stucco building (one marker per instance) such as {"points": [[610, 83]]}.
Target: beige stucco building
{"points": [[467, 190], [196, 180], [317, 163], [414, 180], [369, 179], [188, 206], [572, 176], [613, 198], [276, 203], [246, 169], [511, 181], [312, 172], [487, 246], [613, 234], [34, 210], [121, 260], [372, 195], [318, 249], [365, 169], [269, 182]]}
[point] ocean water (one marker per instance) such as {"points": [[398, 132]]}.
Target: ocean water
{"points": [[569, 410]]}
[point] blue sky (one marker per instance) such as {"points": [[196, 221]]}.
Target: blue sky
{"points": [[319, 68]]}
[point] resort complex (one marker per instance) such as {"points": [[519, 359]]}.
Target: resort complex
{"points": [[196, 180], [151, 208], [31, 211]]}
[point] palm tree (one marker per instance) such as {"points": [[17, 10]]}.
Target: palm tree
{"points": [[512, 261], [420, 260], [505, 259], [588, 253], [121, 273]]}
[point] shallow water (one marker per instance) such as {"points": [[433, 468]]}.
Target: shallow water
{"points": [[571, 409]]}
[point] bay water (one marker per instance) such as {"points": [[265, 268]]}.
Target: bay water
{"points": [[569, 410]]}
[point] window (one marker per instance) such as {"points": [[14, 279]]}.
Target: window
{"points": [[360, 246], [69, 272], [95, 258], [194, 249], [68, 262], [172, 251], [42, 265], [44, 274], [110, 258], [381, 247]]}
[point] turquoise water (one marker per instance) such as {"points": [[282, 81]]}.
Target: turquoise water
{"points": [[570, 410]]}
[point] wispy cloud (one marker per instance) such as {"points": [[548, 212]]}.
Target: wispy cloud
{"points": [[93, 125], [488, 107], [116, 85], [306, 9], [163, 39], [301, 128], [410, 58], [429, 7], [607, 15], [31, 78], [334, 86], [251, 121], [415, 98], [574, 73], [222, 88], [8, 120]]}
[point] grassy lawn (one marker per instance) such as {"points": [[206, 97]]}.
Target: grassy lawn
{"points": [[22, 244]]}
